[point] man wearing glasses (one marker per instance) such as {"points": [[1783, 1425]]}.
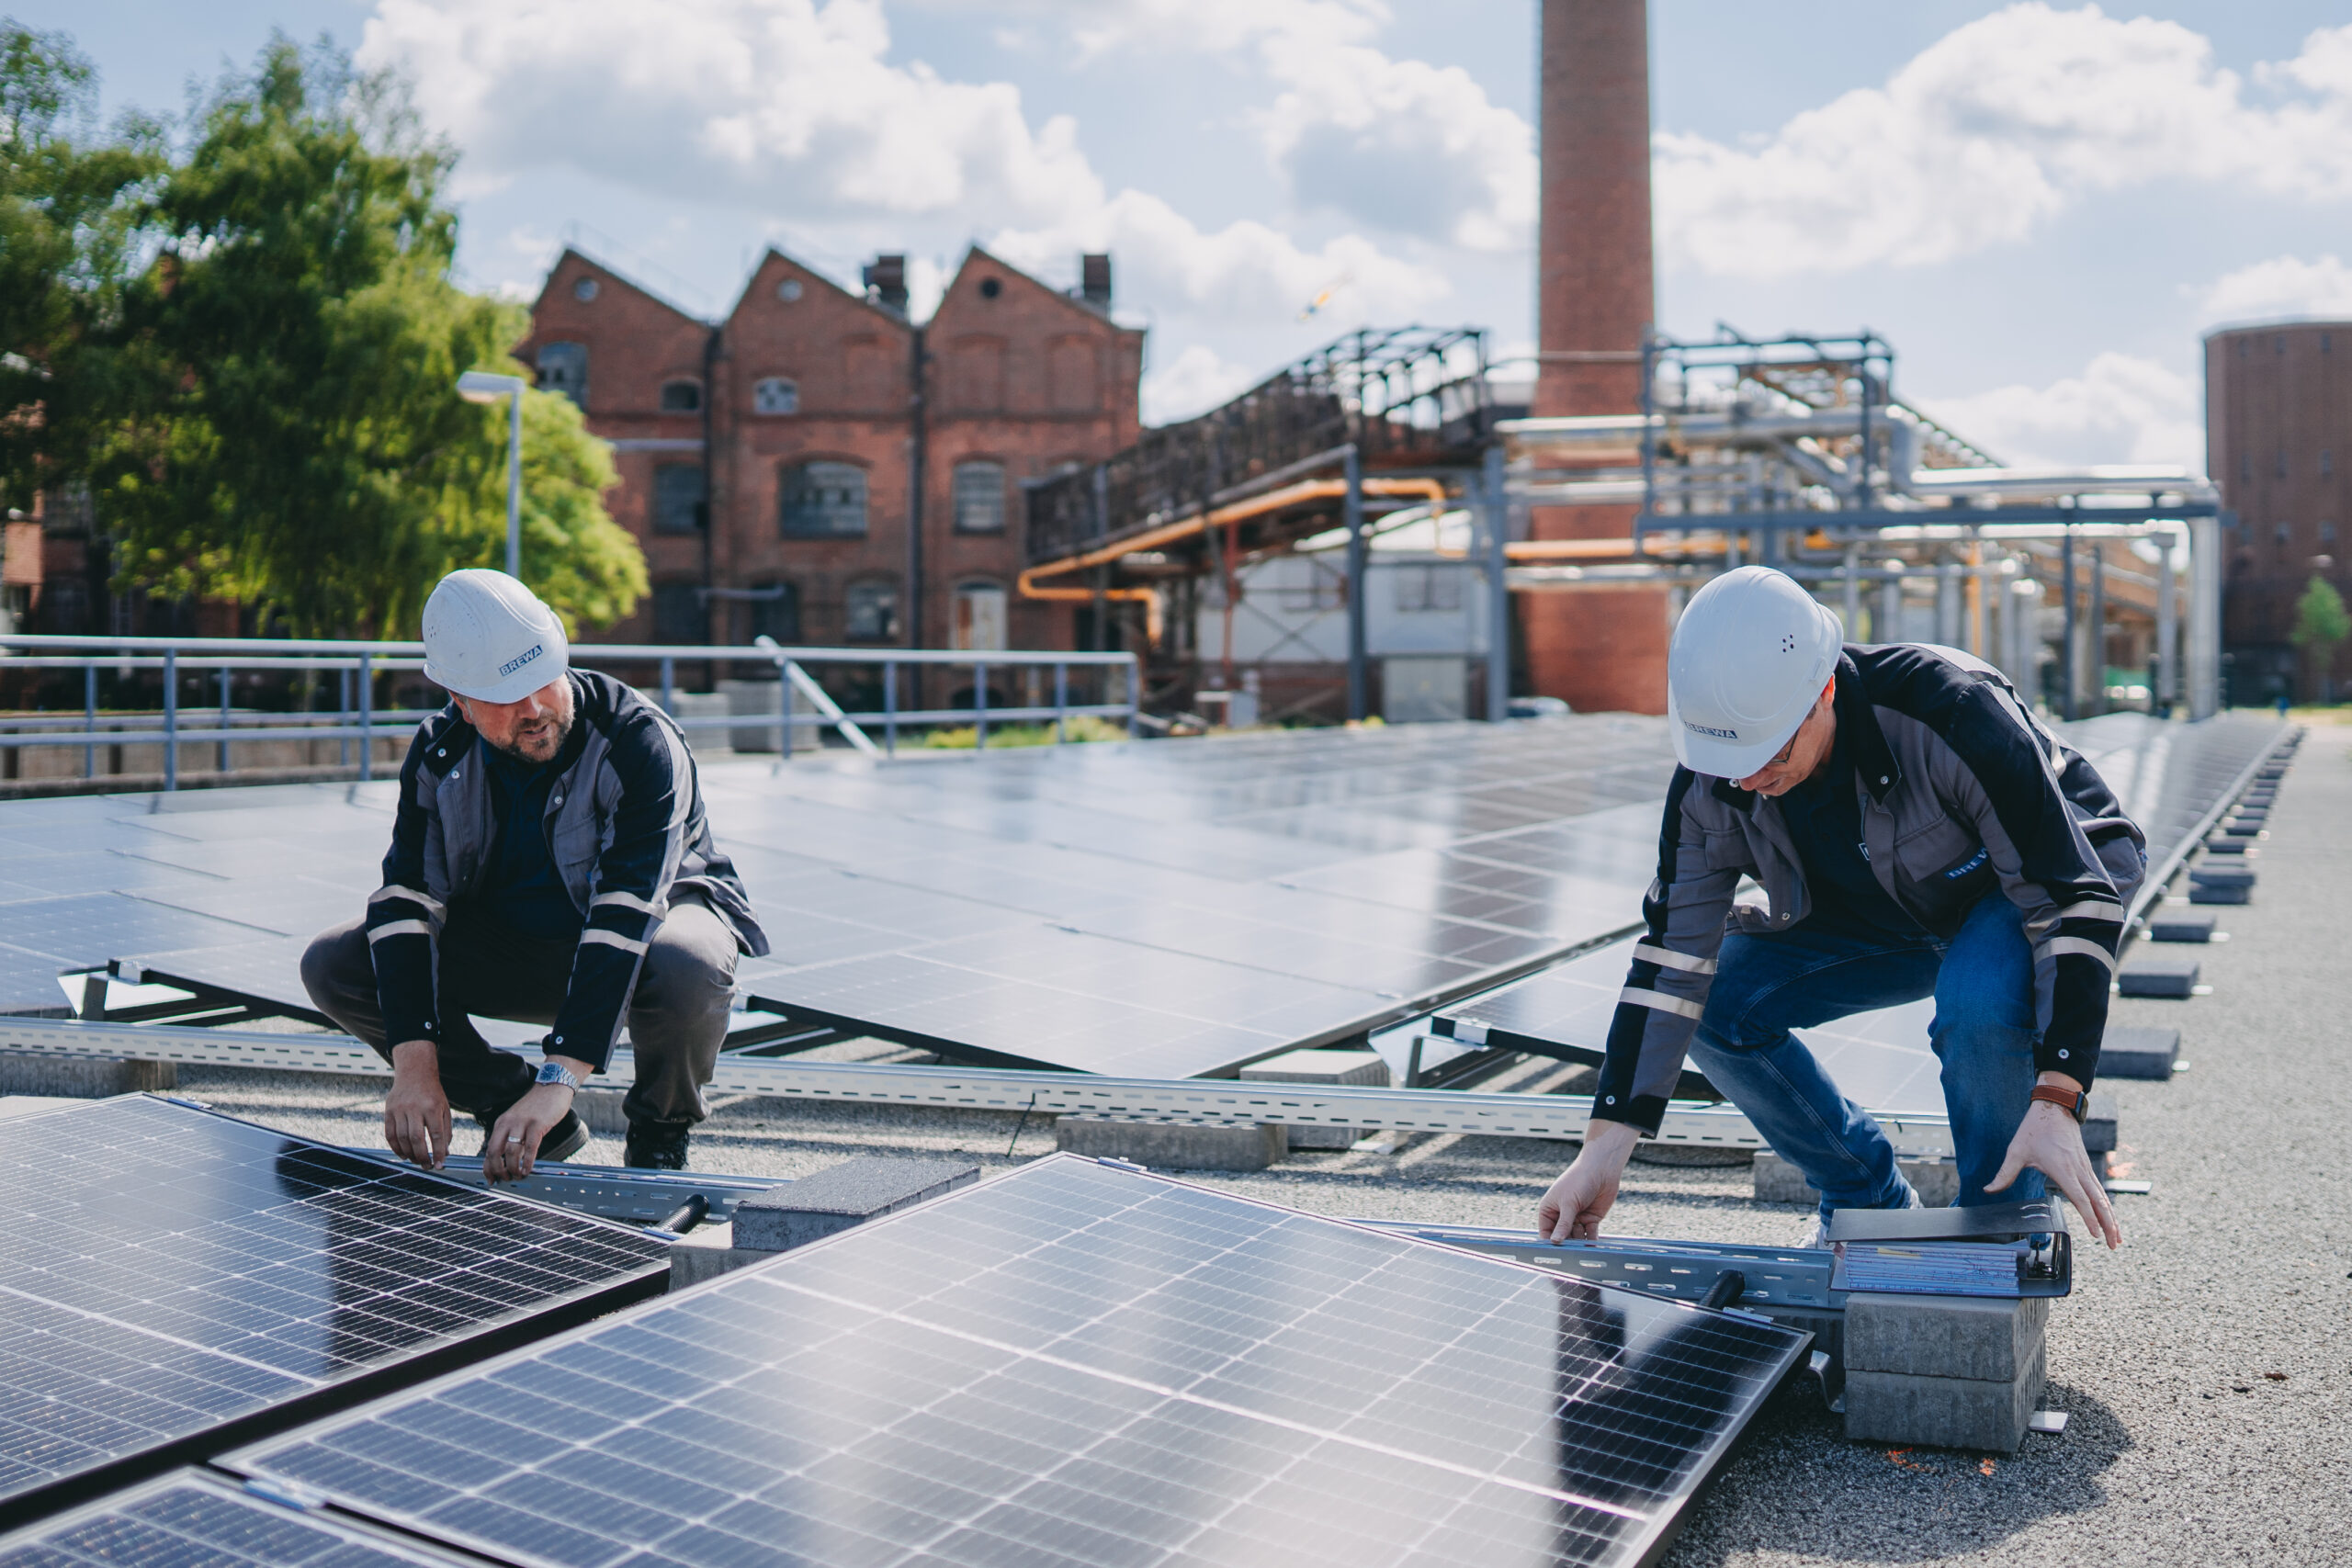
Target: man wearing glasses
{"points": [[1916, 833]]}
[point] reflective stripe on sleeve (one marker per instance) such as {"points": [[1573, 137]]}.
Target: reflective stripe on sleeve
{"points": [[1673, 960], [400, 928], [2082, 945], [626, 901], [390, 891], [1661, 1001], [611, 938], [2092, 909]]}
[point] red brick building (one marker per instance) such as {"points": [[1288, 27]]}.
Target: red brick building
{"points": [[818, 467], [2277, 437]]}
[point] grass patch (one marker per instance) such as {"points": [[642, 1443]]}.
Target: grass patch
{"points": [[966, 738]]}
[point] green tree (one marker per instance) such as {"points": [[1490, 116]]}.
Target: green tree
{"points": [[2321, 626], [289, 433], [68, 215]]}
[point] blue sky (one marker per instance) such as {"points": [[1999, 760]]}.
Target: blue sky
{"points": [[2042, 205]]}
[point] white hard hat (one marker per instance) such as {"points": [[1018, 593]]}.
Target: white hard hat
{"points": [[488, 637], [1750, 658]]}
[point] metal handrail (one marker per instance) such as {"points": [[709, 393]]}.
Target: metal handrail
{"points": [[355, 715]]}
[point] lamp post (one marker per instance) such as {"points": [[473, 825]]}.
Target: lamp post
{"points": [[482, 387]]}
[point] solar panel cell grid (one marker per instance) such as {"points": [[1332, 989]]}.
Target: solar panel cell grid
{"points": [[1074, 1363], [192, 1520], [164, 1270]]}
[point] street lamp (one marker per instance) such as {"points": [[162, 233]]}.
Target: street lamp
{"points": [[482, 387]]}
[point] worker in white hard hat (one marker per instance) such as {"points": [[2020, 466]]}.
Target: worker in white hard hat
{"points": [[1915, 834], [550, 863]]}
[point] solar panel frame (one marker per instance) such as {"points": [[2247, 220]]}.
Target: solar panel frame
{"points": [[214, 1280], [1155, 1401]]}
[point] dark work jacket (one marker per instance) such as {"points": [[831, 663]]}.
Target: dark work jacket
{"points": [[625, 823], [1962, 792]]}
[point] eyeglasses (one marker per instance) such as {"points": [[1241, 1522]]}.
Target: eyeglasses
{"points": [[1790, 750]]}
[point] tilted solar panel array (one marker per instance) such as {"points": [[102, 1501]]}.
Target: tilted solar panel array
{"points": [[165, 1272], [192, 1520], [1075, 1364]]}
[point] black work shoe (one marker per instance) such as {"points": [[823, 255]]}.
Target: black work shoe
{"points": [[563, 1140], [657, 1145]]}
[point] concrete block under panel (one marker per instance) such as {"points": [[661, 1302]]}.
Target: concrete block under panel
{"points": [[1916, 1410], [2099, 1123], [2168, 926], [2243, 828], [2221, 892], [1990, 1338], [81, 1077], [1778, 1181], [841, 1196], [706, 1252], [1361, 1069], [2158, 975], [2221, 877], [2134, 1052], [1174, 1145], [2221, 846], [601, 1109]]}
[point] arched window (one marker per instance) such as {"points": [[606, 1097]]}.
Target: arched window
{"points": [[980, 498], [677, 498], [563, 367], [822, 501], [870, 612], [681, 396], [979, 617], [775, 394]]}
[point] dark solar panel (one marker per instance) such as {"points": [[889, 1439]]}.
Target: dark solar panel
{"points": [[1077, 1364], [166, 1270], [191, 1519]]}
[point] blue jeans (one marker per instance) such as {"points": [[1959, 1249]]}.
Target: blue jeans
{"points": [[1983, 1036]]}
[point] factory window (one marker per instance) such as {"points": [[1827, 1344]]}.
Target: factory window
{"points": [[563, 367], [2279, 342], [2245, 464], [870, 612], [980, 498], [1326, 588], [587, 288], [990, 287], [677, 498], [2327, 533], [1425, 586], [677, 613], [822, 501], [2279, 535], [775, 612], [681, 396], [776, 394], [2282, 462], [979, 617]]}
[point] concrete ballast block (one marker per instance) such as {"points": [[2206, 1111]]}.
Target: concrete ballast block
{"points": [[81, 1077], [1175, 1146], [2180, 928], [2158, 975], [842, 1196], [1363, 1069], [1778, 1181], [706, 1252], [2221, 877], [1988, 1337], [1944, 1413], [2099, 1123], [2134, 1052]]}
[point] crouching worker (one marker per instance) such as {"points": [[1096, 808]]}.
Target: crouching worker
{"points": [[551, 864], [1916, 834]]}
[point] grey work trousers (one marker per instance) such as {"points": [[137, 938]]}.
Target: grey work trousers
{"points": [[678, 1017]]}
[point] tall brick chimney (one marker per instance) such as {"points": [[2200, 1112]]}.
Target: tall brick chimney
{"points": [[1599, 648]]}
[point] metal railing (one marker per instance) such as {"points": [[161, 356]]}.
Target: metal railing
{"points": [[802, 701]]}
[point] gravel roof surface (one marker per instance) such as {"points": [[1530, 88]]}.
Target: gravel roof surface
{"points": [[2207, 1366]]}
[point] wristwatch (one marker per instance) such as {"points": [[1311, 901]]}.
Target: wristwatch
{"points": [[556, 1072], [2075, 1102]]}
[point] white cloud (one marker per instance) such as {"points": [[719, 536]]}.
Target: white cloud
{"points": [[1198, 381], [2121, 408], [1994, 128], [2284, 285], [793, 107]]}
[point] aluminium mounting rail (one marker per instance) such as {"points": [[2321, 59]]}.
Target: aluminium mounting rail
{"points": [[1221, 1101]]}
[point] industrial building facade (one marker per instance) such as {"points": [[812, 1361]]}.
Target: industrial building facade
{"points": [[819, 468], [2277, 434]]}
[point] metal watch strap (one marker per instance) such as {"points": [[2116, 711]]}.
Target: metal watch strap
{"points": [[556, 1072], [2073, 1101]]}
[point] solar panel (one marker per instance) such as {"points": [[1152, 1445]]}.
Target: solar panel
{"points": [[170, 1275], [1076, 1364], [191, 1519]]}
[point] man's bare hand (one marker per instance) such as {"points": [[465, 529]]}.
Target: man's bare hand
{"points": [[1574, 1205], [2048, 1141], [416, 1113], [514, 1141]]}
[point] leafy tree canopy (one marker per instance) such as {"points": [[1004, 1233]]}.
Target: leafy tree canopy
{"points": [[2321, 620]]}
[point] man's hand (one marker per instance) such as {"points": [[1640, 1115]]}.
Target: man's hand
{"points": [[514, 1141], [1573, 1209], [416, 1113], [2048, 1141]]}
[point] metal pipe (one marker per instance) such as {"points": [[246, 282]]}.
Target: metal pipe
{"points": [[2168, 627], [980, 707], [1358, 560], [1853, 594], [2096, 643], [90, 719], [367, 718], [221, 757], [2204, 617], [1061, 700], [171, 719], [890, 707], [2069, 662], [1495, 509]]}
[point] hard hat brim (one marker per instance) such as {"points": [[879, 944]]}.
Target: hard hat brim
{"points": [[1719, 758], [515, 687]]}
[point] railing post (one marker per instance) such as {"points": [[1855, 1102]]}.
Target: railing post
{"points": [[367, 716], [980, 707], [1134, 694], [171, 718], [343, 715], [890, 707], [1061, 697], [784, 706], [90, 718], [221, 755], [669, 686]]}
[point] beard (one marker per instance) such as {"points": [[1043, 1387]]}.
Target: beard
{"points": [[536, 746]]}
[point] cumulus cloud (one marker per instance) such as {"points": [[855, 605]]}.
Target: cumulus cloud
{"points": [[795, 107], [1197, 380], [2284, 285], [2123, 407], [1995, 128]]}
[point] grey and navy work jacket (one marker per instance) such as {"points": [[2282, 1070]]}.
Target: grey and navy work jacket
{"points": [[1962, 792], [625, 825]]}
